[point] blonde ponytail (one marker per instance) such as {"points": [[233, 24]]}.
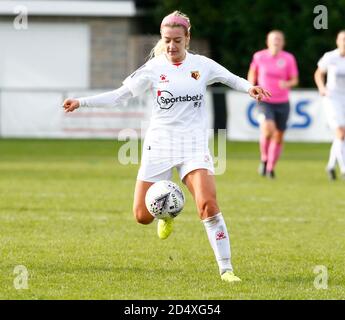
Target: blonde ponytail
{"points": [[157, 49]]}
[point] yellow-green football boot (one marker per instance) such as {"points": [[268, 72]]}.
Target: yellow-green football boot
{"points": [[229, 276], [165, 227]]}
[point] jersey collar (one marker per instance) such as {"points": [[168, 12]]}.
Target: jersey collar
{"points": [[179, 64]]}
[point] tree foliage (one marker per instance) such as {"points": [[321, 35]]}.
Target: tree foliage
{"points": [[236, 29]]}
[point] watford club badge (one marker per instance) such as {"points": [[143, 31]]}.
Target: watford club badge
{"points": [[195, 74]]}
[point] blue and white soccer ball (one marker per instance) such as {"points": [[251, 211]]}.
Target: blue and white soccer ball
{"points": [[164, 199]]}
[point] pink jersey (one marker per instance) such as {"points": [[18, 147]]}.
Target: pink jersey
{"points": [[271, 70]]}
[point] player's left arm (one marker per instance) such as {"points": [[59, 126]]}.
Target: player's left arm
{"points": [[288, 84], [258, 93], [220, 74], [241, 84], [292, 71]]}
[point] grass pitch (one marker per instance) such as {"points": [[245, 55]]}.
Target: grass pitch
{"points": [[65, 214]]}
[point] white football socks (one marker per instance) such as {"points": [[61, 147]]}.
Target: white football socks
{"points": [[219, 240], [337, 154], [342, 151], [332, 156]]}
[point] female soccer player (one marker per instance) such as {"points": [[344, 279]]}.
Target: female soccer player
{"points": [[177, 135], [276, 70], [333, 64]]}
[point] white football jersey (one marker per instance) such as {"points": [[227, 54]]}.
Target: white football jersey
{"points": [[334, 64], [178, 92], [178, 123]]}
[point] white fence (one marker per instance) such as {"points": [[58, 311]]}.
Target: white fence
{"points": [[39, 114]]}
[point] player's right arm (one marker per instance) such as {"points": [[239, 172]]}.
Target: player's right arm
{"points": [[321, 72], [320, 80], [135, 84], [111, 98]]}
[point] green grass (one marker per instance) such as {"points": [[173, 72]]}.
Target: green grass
{"points": [[65, 214]]}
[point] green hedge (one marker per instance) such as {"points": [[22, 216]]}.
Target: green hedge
{"points": [[237, 28]]}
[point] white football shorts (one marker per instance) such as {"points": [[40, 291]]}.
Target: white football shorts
{"points": [[334, 108], [159, 166]]}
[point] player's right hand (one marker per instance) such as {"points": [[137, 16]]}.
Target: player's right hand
{"points": [[70, 105]]}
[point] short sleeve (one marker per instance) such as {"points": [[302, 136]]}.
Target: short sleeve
{"points": [[324, 62], [292, 67], [140, 80]]}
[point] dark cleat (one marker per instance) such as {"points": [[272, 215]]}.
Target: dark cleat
{"points": [[270, 174], [331, 174], [262, 168]]}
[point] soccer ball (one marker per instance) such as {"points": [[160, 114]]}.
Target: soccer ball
{"points": [[164, 199]]}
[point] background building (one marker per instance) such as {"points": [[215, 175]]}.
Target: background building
{"points": [[51, 50], [66, 44], [54, 49]]}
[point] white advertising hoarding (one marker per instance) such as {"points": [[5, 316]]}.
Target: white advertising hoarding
{"points": [[40, 115], [307, 121], [30, 114]]}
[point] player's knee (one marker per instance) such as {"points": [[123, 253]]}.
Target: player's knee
{"points": [[208, 208], [278, 136], [267, 134], [142, 216], [268, 131], [341, 133], [278, 140]]}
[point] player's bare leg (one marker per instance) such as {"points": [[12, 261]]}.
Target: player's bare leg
{"points": [[141, 214], [274, 152], [267, 128]]}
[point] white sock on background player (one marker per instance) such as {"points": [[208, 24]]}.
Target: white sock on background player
{"points": [[337, 154], [220, 241], [332, 156], [342, 164]]}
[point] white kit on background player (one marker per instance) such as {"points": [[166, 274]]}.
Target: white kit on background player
{"points": [[333, 64], [177, 135]]}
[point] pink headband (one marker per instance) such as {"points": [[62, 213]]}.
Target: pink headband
{"points": [[171, 20]]}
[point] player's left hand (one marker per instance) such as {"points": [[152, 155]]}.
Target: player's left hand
{"points": [[258, 93]]}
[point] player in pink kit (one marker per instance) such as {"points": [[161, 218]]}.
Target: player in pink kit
{"points": [[276, 70]]}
